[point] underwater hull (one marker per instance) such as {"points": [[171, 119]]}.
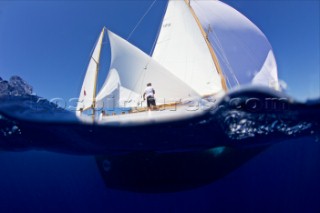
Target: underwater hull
{"points": [[152, 172]]}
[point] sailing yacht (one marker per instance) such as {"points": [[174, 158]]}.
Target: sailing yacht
{"points": [[203, 49]]}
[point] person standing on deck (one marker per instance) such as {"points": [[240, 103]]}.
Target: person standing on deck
{"points": [[149, 94]]}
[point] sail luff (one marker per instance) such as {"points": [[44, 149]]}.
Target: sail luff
{"points": [[212, 52], [159, 30]]}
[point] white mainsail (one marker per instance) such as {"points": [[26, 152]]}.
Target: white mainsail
{"points": [[88, 90], [182, 49], [131, 69], [242, 49]]}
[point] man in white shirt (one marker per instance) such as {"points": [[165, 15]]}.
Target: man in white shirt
{"points": [[149, 94]]}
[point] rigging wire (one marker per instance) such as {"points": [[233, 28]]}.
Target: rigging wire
{"points": [[153, 47], [131, 33], [129, 36], [140, 20], [154, 43]]}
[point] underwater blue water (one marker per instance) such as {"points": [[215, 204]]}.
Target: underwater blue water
{"points": [[36, 175], [284, 178]]}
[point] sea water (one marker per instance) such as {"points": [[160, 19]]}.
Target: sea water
{"points": [[255, 151]]}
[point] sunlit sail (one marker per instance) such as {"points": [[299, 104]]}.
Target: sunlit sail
{"points": [[203, 49]]}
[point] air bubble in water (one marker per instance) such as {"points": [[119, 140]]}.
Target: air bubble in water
{"points": [[14, 128]]}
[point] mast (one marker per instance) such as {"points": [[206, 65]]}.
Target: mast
{"points": [[87, 97], [97, 71], [205, 36], [97, 61]]}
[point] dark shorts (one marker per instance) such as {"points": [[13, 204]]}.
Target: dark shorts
{"points": [[151, 101]]}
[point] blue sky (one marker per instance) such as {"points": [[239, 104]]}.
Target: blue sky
{"points": [[48, 43]]}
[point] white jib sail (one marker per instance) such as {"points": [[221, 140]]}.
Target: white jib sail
{"points": [[244, 52], [130, 71], [113, 95], [181, 48], [87, 94]]}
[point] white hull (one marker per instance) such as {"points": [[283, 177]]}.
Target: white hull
{"points": [[154, 116]]}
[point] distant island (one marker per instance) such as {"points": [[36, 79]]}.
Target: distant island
{"points": [[16, 95], [16, 86]]}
